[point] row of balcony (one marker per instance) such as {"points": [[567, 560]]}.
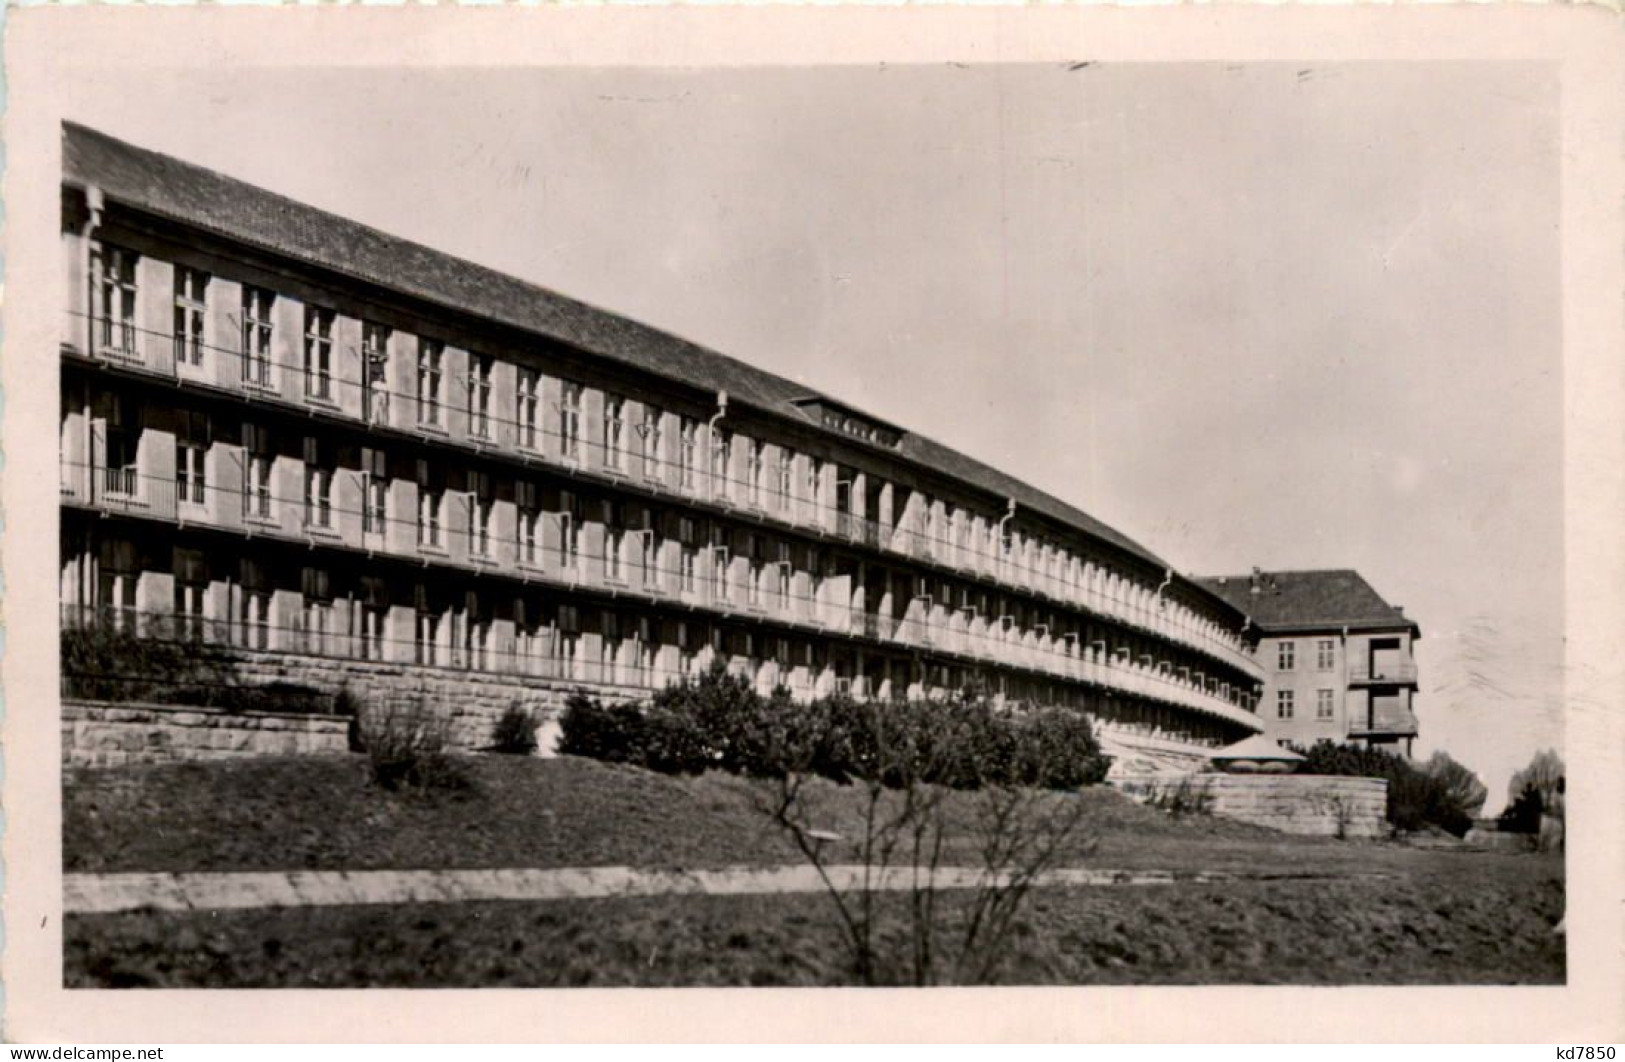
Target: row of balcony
{"points": [[698, 473], [630, 666], [760, 591]]}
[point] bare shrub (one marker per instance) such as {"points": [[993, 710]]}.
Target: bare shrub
{"points": [[1190, 797], [903, 844], [406, 745]]}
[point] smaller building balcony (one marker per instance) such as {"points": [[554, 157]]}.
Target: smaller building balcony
{"points": [[1382, 673], [1386, 722]]}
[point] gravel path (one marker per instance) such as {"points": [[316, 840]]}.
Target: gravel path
{"points": [[110, 893]]}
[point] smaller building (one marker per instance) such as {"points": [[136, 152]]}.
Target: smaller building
{"points": [[1338, 660]]}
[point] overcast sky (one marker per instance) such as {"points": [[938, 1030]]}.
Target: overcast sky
{"points": [[1249, 315]]}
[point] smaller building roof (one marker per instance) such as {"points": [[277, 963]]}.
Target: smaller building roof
{"points": [[1309, 600], [1256, 747]]}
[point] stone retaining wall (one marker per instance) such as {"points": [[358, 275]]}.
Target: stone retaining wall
{"points": [[1322, 805], [109, 735], [472, 700]]}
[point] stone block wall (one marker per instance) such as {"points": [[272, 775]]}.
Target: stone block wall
{"points": [[110, 735], [472, 700], [1320, 805]]}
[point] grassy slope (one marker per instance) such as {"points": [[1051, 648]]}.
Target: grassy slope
{"points": [[323, 813], [1439, 916], [1454, 932]]}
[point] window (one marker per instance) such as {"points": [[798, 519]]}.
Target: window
{"points": [[318, 483], [191, 591], [1325, 654], [316, 617], [527, 632], [375, 354], [609, 648], [1323, 704], [786, 466], [614, 429], [255, 610], [431, 354], [1283, 704], [753, 585], [570, 421], [372, 619], [755, 470], [527, 398], [426, 629], [1286, 655], [719, 560], [815, 479], [257, 465], [191, 309], [257, 303], [374, 491], [480, 505], [567, 643], [191, 453], [686, 658], [116, 303], [647, 658], [614, 538], [651, 545], [479, 396], [687, 451], [122, 446], [116, 578], [431, 504], [721, 455], [570, 532], [318, 353], [530, 518], [784, 570], [688, 560], [650, 431], [472, 637]]}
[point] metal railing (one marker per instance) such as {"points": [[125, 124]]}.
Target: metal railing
{"points": [[587, 456], [1398, 671]]}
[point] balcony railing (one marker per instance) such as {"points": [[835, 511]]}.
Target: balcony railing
{"points": [[371, 402], [457, 549], [1376, 672], [1385, 721]]}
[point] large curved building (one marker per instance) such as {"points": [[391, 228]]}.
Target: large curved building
{"points": [[358, 461]]}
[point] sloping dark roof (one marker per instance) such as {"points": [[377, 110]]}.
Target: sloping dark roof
{"points": [[1335, 597], [180, 191]]}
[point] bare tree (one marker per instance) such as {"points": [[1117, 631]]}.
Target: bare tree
{"points": [[903, 841]]}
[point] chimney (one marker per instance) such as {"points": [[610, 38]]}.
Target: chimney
{"points": [[1254, 586]]}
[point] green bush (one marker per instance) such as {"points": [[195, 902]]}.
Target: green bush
{"points": [[1442, 793], [515, 732], [1059, 750], [589, 729], [104, 663], [1523, 814], [272, 697], [718, 721]]}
